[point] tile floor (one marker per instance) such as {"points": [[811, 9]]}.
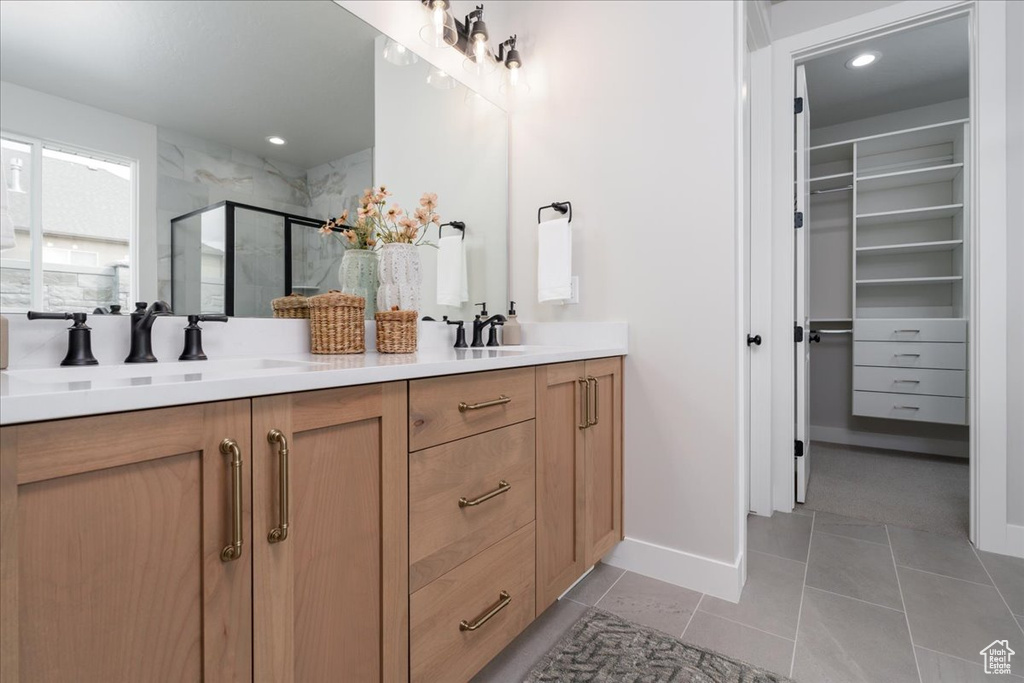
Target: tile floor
{"points": [[828, 598]]}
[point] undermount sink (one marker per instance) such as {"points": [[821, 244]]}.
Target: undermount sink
{"points": [[181, 371]]}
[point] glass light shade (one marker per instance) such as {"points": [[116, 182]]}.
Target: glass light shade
{"points": [[398, 54], [440, 79], [439, 31], [514, 82], [480, 61]]}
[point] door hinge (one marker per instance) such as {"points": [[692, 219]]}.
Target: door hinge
{"points": [[798, 448], [798, 333], [798, 105], [798, 219]]}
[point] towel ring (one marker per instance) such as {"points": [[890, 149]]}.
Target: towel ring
{"points": [[458, 225], [560, 207]]}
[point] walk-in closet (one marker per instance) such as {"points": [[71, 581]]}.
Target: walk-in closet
{"points": [[888, 270]]}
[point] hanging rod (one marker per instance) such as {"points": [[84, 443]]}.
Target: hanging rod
{"points": [[560, 207], [845, 188], [831, 331]]}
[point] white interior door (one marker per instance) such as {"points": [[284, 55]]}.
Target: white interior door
{"points": [[802, 449]]}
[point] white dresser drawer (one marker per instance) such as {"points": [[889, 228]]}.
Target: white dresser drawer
{"points": [[911, 381], [910, 330], [939, 355], [916, 408]]}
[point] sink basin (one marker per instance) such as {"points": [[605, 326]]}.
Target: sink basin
{"points": [[151, 373]]}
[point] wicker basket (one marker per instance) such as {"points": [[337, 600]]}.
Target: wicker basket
{"points": [[396, 331], [291, 306], [336, 323]]}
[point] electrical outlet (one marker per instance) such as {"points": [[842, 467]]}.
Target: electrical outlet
{"points": [[574, 298]]}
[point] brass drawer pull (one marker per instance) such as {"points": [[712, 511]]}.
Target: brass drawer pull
{"points": [[233, 550], [503, 487], [584, 403], [501, 400], [596, 418], [280, 533], [503, 599]]}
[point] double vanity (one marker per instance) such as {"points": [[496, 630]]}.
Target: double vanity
{"points": [[392, 518]]}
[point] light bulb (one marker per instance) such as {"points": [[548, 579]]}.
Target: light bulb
{"points": [[437, 17], [513, 77], [480, 49]]}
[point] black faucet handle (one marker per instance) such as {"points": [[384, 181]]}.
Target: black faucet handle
{"points": [[79, 338], [209, 318], [79, 318]]}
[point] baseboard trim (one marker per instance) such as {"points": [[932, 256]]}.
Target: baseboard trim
{"points": [[892, 442], [703, 574]]}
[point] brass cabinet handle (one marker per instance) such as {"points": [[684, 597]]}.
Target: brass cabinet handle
{"points": [[503, 487], [503, 599], [591, 423], [233, 550], [584, 403], [280, 533], [501, 400]]}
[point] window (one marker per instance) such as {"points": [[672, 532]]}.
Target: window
{"points": [[73, 216]]}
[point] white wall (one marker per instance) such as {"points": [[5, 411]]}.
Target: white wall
{"points": [[43, 116], [796, 16], [1015, 257]]}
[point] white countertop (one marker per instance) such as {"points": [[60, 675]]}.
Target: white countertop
{"points": [[48, 393]]}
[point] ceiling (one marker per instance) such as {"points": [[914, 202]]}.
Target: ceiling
{"points": [[233, 72], [918, 67]]}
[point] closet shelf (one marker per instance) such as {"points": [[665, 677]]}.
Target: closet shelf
{"points": [[911, 247], [916, 176], [831, 320], [912, 280], [908, 215]]}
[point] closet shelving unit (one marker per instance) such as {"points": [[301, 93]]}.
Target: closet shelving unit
{"points": [[902, 214]]}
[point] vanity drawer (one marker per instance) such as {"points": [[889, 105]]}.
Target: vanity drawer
{"points": [[444, 409], [904, 381], [912, 330], [904, 407], [443, 531], [940, 356], [500, 578]]}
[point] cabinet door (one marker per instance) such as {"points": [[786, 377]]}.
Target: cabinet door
{"points": [[560, 482], [331, 594], [112, 533], [603, 458]]}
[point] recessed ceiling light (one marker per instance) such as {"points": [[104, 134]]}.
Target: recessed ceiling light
{"points": [[276, 140], [863, 59]]}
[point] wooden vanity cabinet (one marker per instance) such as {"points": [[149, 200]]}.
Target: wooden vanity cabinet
{"points": [[579, 470], [112, 530], [330, 597]]}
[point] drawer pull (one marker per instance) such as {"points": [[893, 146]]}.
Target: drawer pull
{"points": [[280, 533], [501, 400], [233, 550], [503, 487], [584, 403], [591, 421], [503, 599], [906, 381], [908, 331], [909, 355], [906, 408]]}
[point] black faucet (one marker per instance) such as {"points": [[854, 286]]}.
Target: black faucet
{"points": [[142, 319], [79, 339], [478, 328], [460, 333], [194, 336]]}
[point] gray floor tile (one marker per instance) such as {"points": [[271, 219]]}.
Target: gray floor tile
{"points": [[846, 640], [740, 642], [650, 602], [936, 553], [940, 668], [848, 526], [854, 568], [1008, 573], [516, 660], [956, 617], [589, 590], [782, 535], [770, 599], [799, 509]]}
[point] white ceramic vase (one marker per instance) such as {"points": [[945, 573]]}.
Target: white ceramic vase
{"points": [[401, 277]]}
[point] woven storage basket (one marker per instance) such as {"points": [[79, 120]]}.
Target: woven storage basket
{"points": [[336, 323], [396, 331], [291, 306]]}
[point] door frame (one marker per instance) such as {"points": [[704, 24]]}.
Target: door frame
{"points": [[990, 529]]}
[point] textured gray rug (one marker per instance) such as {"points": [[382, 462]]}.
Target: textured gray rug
{"points": [[904, 489], [604, 648]]}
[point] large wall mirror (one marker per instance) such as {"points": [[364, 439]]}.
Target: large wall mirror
{"points": [[190, 151]]}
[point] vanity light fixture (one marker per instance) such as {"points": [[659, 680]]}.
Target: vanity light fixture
{"points": [[276, 140], [398, 54], [479, 59], [440, 30], [513, 81], [863, 59]]}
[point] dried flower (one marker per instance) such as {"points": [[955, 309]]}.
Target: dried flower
{"points": [[343, 219], [395, 212], [429, 200]]}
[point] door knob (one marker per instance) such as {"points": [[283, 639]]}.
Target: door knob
{"points": [[755, 339], [815, 337]]}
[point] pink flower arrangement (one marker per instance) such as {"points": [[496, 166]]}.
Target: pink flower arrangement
{"points": [[378, 224]]}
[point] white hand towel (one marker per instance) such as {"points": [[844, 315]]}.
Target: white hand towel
{"points": [[6, 223], [452, 283], [554, 260]]}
